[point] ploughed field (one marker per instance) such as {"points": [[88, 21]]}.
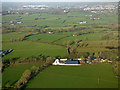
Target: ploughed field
{"points": [[86, 76]]}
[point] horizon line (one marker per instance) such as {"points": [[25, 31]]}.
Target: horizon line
{"points": [[67, 1]]}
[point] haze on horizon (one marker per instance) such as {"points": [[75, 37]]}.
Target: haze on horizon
{"points": [[60, 0]]}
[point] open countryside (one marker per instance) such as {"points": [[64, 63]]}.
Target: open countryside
{"points": [[35, 35], [65, 76]]}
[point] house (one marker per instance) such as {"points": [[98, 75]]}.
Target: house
{"points": [[82, 22], [79, 59], [74, 35], [103, 60], [109, 61], [50, 32], [65, 11]]}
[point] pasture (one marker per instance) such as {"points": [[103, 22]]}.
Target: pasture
{"points": [[87, 76], [35, 26], [45, 37], [13, 73], [29, 48]]}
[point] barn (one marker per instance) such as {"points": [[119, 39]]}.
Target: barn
{"points": [[72, 62]]}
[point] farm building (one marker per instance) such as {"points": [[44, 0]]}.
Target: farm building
{"points": [[63, 59], [72, 62], [66, 62], [82, 22], [50, 32], [74, 35], [19, 22], [103, 60]]}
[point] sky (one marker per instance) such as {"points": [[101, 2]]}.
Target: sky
{"points": [[59, 0]]}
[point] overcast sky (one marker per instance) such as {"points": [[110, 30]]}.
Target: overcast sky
{"points": [[59, 0]]}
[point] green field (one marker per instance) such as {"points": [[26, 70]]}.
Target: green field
{"points": [[13, 73], [88, 76], [45, 37], [28, 49], [31, 38]]}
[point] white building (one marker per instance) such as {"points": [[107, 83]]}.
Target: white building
{"points": [[63, 59], [103, 60], [56, 62], [50, 32], [82, 22], [79, 59]]}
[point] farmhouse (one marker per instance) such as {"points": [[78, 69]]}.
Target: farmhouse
{"points": [[50, 32], [103, 60], [82, 22], [74, 35]]}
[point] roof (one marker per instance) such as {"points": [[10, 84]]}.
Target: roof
{"points": [[93, 58], [71, 62], [63, 59]]}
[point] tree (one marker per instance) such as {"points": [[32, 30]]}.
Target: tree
{"points": [[24, 79], [11, 61], [7, 85], [49, 60], [34, 70]]}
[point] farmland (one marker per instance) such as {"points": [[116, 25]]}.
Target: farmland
{"points": [[41, 36], [28, 48], [82, 76], [17, 71]]}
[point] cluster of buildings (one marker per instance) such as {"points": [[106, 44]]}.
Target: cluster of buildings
{"points": [[35, 6], [82, 22], [14, 23], [79, 61], [3, 53], [100, 7]]}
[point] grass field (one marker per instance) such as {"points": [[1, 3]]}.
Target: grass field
{"points": [[28, 49], [88, 76], [84, 76], [13, 73], [53, 21], [45, 37], [96, 36], [13, 35]]}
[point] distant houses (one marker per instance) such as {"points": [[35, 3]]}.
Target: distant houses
{"points": [[95, 18], [82, 22], [14, 23]]}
